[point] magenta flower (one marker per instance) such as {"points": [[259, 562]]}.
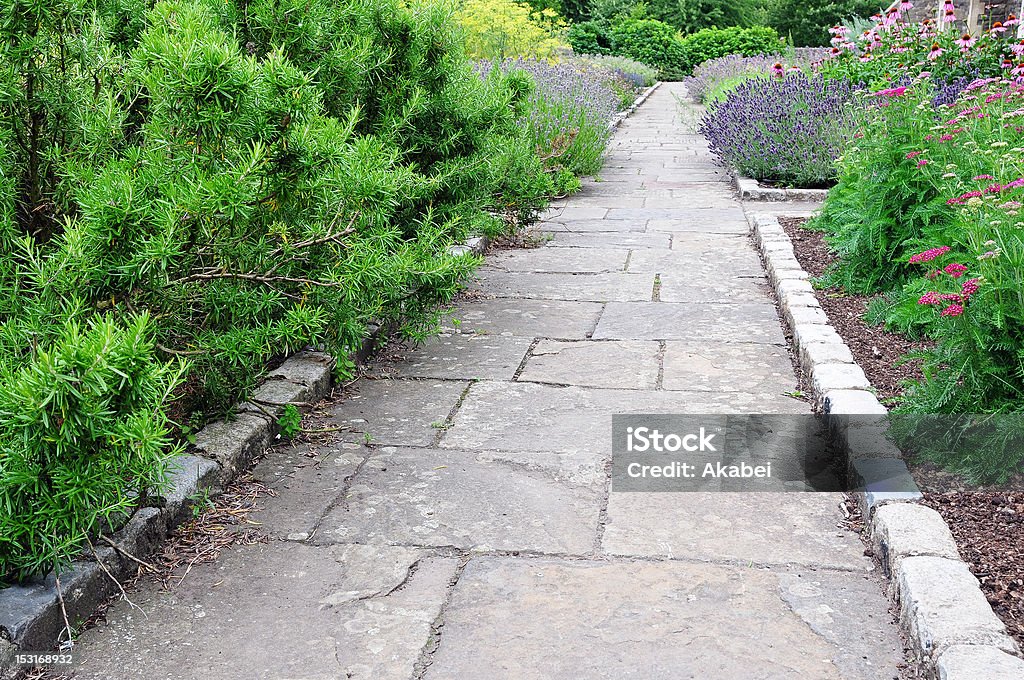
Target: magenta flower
{"points": [[955, 269], [923, 162], [930, 298], [913, 154], [929, 255], [965, 41], [953, 310], [969, 288], [935, 52]]}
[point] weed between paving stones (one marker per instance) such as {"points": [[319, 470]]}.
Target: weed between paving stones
{"points": [[988, 525]]}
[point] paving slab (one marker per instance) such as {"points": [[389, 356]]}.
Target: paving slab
{"points": [[623, 364], [498, 416], [591, 226], [281, 610], [578, 261], [615, 239], [465, 356], [728, 367], [429, 497], [397, 411], [724, 263], [308, 480], [546, 618], [526, 318], [681, 285], [773, 528], [712, 323], [580, 287]]}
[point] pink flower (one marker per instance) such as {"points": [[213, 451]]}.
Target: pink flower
{"points": [[923, 162], [891, 92], [906, 5], [963, 198], [965, 41], [935, 52], [955, 269], [913, 154], [953, 310], [930, 298], [969, 288], [947, 6], [997, 28], [929, 255], [981, 177], [777, 69]]}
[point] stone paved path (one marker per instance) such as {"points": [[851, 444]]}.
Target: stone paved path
{"points": [[476, 536]]}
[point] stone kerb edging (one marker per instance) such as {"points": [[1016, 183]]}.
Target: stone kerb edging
{"points": [[751, 190], [623, 115], [31, 618], [954, 631]]}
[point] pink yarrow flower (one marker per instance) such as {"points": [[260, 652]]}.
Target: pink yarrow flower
{"points": [[953, 310], [929, 255], [969, 288], [930, 298], [955, 269]]}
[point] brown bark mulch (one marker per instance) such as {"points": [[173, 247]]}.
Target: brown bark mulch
{"points": [[988, 525]]}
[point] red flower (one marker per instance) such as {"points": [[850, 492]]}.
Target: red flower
{"points": [[956, 270], [953, 310]]}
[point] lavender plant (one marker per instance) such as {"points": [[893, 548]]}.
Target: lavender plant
{"points": [[708, 76], [787, 130], [568, 114]]}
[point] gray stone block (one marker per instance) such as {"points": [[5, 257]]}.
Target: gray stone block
{"points": [[829, 377], [852, 402], [234, 444], [978, 662], [801, 314], [941, 606], [815, 353], [311, 370], [30, 612], [901, 530], [189, 476], [878, 481], [805, 334]]}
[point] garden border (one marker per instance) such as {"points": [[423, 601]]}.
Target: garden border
{"points": [[752, 190], [31, 616], [953, 630]]}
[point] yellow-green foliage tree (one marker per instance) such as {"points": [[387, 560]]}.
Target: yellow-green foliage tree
{"points": [[499, 29]]}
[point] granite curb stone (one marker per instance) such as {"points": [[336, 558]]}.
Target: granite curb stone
{"points": [[951, 625]]}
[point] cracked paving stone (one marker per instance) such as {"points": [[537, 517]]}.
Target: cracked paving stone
{"points": [[281, 610], [498, 416], [479, 501], [397, 411], [533, 619], [306, 486], [773, 528], [614, 364]]}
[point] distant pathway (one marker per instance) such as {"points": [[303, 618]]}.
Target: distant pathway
{"points": [[476, 538]]}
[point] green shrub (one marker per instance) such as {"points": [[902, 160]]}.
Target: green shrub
{"points": [[653, 43], [225, 182], [83, 437], [589, 37], [712, 43]]}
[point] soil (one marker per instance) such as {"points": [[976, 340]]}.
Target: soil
{"points": [[988, 525], [880, 353]]}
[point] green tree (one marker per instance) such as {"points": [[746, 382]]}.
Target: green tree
{"points": [[807, 23]]}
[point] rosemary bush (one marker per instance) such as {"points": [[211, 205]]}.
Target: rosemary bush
{"points": [[191, 189]]}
